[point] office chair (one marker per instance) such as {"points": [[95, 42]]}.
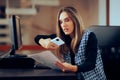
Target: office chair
{"points": [[109, 42]]}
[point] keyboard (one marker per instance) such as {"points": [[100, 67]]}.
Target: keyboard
{"points": [[3, 54], [41, 66]]}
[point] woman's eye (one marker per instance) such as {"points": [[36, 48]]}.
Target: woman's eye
{"points": [[67, 20]]}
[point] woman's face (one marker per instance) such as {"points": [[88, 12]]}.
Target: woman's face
{"points": [[66, 23]]}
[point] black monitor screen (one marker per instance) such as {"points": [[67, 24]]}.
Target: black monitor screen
{"points": [[15, 32]]}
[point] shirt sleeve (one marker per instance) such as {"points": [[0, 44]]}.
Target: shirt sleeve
{"points": [[38, 37], [91, 53]]}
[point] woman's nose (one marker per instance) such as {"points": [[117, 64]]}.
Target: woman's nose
{"points": [[63, 24]]}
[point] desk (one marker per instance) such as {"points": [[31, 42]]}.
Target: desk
{"points": [[35, 74]]}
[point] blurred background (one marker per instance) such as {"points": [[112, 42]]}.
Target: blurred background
{"points": [[39, 16]]}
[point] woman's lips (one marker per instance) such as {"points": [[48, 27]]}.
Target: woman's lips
{"points": [[65, 30]]}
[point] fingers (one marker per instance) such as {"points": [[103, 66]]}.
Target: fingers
{"points": [[46, 43], [60, 65], [52, 46]]}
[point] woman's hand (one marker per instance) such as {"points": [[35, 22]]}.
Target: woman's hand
{"points": [[66, 67], [46, 43]]}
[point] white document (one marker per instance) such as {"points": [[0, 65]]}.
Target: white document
{"points": [[46, 58]]}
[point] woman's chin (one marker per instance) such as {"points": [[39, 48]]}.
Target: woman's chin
{"points": [[66, 33]]}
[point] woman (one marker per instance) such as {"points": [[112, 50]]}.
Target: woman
{"points": [[80, 51]]}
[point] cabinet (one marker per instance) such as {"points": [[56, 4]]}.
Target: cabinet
{"points": [[4, 29]]}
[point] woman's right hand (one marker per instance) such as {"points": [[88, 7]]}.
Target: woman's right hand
{"points": [[46, 43]]}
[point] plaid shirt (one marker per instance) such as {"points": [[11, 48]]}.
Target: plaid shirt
{"points": [[98, 72]]}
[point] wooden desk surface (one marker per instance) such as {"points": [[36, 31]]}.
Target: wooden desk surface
{"points": [[35, 74]]}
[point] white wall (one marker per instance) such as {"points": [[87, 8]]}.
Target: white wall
{"points": [[102, 12], [114, 12]]}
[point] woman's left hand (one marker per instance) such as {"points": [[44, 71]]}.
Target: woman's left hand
{"points": [[66, 66]]}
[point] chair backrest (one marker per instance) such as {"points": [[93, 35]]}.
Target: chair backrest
{"points": [[108, 36], [109, 41]]}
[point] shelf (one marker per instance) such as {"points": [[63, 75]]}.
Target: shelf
{"points": [[4, 21], [46, 2], [21, 11]]}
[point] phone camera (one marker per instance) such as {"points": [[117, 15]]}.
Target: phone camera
{"points": [[57, 39]]}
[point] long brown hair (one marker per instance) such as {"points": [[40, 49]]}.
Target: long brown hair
{"points": [[78, 29]]}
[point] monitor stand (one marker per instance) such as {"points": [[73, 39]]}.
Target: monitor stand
{"points": [[13, 60], [13, 54]]}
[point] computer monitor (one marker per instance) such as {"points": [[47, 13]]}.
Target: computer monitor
{"points": [[12, 59], [15, 32], [16, 37]]}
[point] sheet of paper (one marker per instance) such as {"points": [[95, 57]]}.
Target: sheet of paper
{"points": [[46, 58]]}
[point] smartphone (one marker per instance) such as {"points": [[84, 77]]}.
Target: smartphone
{"points": [[57, 41]]}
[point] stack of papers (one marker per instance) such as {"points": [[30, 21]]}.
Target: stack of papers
{"points": [[46, 58]]}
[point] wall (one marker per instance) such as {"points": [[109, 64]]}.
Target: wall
{"points": [[115, 12], [102, 12]]}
